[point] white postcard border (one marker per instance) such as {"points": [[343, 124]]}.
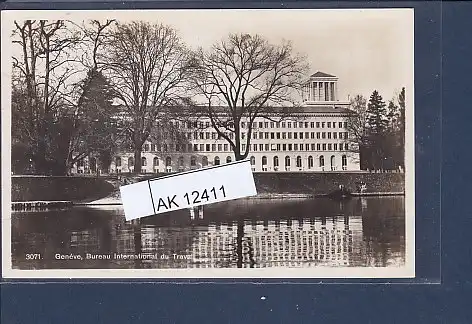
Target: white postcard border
{"points": [[406, 271]]}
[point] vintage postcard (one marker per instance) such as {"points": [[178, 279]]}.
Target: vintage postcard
{"points": [[208, 144]]}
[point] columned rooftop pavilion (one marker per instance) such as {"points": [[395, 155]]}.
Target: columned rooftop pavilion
{"points": [[322, 89]]}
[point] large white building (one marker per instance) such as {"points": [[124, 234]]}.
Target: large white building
{"points": [[313, 137]]}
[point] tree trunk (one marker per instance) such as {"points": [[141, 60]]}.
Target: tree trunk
{"points": [[237, 144], [137, 160], [40, 158], [69, 169]]}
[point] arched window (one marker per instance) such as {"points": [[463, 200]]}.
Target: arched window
{"points": [[264, 163], [217, 161], [155, 161], [181, 161], [253, 160], [228, 159], [204, 161], [264, 160], [321, 161], [310, 162], [299, 161], [287, 161], [333, 162], [193, 161], [276, 161], [130, 161], [168, 161], [143, 161], [344, 162], [118, 161]]}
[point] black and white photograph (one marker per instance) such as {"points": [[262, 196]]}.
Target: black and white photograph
{"points": [[318, 104]]}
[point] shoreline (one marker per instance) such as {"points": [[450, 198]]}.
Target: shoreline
{"points": [[113, 201], [88, 189], [117, 202], [28, 192]]}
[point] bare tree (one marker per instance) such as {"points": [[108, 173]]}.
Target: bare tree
{"points": [[357, 127], [92, 93], [243, 78], [148, 65], [40, 75]]}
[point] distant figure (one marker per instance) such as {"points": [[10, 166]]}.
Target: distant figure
{"points": [[362, 187], [342, 189]]}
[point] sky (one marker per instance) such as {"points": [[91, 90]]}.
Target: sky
{"points": [[368, 49]]}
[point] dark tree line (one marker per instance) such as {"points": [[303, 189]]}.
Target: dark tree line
{"points": [[378, 130]]}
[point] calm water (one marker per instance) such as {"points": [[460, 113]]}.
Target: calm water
{"points": [[245, 233]]}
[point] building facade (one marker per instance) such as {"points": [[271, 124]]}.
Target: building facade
{"points": [[309, 138]]}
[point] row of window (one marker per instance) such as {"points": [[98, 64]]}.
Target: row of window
{"points": [[299, 161], [294, 124], [168, 161], [253, 147], [216, 161], [298, 147], [255, 135], [298, 135], [266, 124]]}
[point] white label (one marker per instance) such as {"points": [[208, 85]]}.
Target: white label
{"points": [[188, 189]]}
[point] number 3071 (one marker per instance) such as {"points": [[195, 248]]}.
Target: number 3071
{"points": [[33, 256], [197, 197]]}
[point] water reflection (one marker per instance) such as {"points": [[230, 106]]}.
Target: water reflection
{"points": [[248, 233]]}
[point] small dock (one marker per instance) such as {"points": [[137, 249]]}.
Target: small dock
{"points": [[39, 205]]}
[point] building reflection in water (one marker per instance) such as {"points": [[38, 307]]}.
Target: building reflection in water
{"points": [[362, 232], [284, 243]]}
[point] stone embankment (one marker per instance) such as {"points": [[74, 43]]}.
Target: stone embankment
{"points": [[105, 190]]}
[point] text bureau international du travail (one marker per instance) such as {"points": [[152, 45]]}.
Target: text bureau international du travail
{"points": [[122, 256]]}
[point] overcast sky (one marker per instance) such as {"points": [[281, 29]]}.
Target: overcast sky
{"points": [[366, 49]]}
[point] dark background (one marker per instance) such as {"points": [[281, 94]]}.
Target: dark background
{"points": [[443, 67]]}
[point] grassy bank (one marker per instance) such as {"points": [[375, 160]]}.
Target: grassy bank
{"points": [[27, 188], [86, 189], [324, 183]]}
